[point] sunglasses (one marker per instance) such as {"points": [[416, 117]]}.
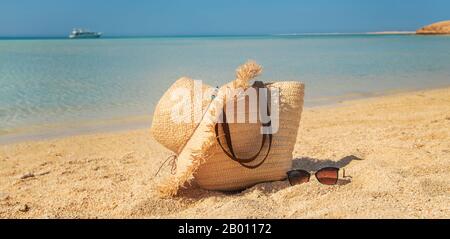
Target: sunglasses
{"points": [[326, 176]]}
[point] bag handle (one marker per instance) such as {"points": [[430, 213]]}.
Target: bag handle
{"points": [[226, 129]]}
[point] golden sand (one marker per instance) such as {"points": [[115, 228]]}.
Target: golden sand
{"points": [[396, 148]]}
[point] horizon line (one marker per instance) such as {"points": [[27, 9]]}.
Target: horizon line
{"points": [[216, 35]]}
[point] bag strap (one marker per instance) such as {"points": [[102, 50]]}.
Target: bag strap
{"points": [[226, 129]]}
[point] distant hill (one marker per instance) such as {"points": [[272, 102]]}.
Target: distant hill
{"points": [[439, 28]]}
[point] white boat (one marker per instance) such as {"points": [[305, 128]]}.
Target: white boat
{"points": [[84, 34]]}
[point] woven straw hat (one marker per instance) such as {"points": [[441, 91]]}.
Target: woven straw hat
{"points": [[174, 135], [209, 155]]}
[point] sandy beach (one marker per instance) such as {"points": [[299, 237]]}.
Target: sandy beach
{"points": [[396, 148]]}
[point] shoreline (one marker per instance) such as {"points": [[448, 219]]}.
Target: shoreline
{"points": [[140, 122], [49, 132]]}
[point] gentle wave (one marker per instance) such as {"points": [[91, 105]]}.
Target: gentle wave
{"points": [[52, 82]]}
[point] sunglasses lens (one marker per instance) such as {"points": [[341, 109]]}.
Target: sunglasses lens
{"points": [[328, 176], [298, 177]]}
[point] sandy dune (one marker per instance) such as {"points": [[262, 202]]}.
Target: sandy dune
{"points": [[396, 148], [439, 28]]}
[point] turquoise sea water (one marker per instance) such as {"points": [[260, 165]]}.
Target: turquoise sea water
{"points": [[59, 84]]}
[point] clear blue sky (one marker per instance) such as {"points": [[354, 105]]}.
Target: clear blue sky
{"points": [[217, 17]]}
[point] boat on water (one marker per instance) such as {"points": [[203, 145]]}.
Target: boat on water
{"points": [[84, 34]]}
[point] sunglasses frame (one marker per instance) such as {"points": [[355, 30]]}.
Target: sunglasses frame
{"points": [[315, 174]]}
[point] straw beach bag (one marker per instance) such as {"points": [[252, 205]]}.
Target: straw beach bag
{"points": [[232, 156]]}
